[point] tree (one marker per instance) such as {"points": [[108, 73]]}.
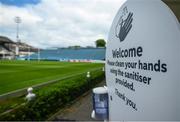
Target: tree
{"points": [[100, 43], [74, 47]]}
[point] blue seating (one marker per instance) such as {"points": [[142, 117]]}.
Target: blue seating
{"points": [[70, 54]]}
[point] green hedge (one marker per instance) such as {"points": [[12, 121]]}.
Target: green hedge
{"points": [[53, 97]]}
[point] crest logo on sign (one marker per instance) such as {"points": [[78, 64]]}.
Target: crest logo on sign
{"points": [[124, 25]]}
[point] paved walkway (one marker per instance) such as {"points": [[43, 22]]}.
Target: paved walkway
{"points": [[80, 110]]}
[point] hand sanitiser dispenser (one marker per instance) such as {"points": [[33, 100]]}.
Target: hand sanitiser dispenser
{"points": [[100, 103]]}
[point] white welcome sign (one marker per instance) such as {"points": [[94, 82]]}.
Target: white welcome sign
{"points": [[143, 63]]}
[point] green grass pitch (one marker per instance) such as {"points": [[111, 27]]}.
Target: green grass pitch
{"points": [[15, 75]]}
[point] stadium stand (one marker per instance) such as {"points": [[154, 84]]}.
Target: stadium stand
{"points": [[68, 54], [8, 48]]}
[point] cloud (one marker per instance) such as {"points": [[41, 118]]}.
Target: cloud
{"points": [[60, 23]]}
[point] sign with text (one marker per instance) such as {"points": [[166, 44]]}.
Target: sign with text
{"points": [[143, 63]]}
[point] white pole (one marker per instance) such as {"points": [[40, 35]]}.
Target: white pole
{"points": [[103, 69], [88, 75], [30, 96]]}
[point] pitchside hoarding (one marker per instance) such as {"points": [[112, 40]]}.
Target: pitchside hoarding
{"points": [[143, 63]]}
